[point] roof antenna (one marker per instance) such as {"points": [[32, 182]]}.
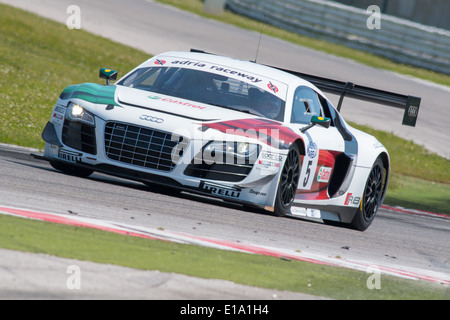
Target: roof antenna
{"points": [[260, 36]]}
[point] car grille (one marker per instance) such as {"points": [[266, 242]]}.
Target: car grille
{"points": [[144, 147], [222, 172], [79, 136]]}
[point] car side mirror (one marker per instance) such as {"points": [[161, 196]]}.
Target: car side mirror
{"points": [[321, 121], [316, 120], [107, 74]]}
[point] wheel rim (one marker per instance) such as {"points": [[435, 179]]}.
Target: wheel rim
{"points": [[289, 179], [373, 192]]}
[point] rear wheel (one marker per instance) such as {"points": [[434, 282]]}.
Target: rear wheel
{"points": [[371, 200], [287, 186]]}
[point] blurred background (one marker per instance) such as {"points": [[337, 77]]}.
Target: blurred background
{"points": [[434, 13], [413, 32]]}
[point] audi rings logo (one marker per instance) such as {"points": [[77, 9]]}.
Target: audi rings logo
{"points": [[151, 118], [412, 111]]}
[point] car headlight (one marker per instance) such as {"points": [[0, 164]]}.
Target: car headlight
{"points": [[77, 113], [226, 151]]}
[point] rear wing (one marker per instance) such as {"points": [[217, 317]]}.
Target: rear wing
{"points": [[410, 104]]}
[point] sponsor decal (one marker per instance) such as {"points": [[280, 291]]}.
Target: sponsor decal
{"points": [[309, 166], [236, 73], [228, 71], [58, 113], [261, 81], [190, 63], [175, 101], [324, 174], [151, 118], [272, 87], [267, 163], [271, 156], [312, 150], [160, 62], [350, 199], [220, 190], [270, 160], [58, 116], [60, 109], [305, 212], [257, 193], [69, 156]]}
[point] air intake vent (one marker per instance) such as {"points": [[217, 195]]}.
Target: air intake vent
{"points": [[79, 136], [143, 147]]}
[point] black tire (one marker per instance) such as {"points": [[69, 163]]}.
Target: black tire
{"points": [[288, 183], [71, 170], [371, 199]]}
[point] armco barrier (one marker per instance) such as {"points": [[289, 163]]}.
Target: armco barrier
{"points": [[400, 40]]}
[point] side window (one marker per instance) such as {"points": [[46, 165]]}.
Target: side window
{"points": [[306, 104], [328, 109]]}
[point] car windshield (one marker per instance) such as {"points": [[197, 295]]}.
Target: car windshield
{"points": [[209, 88]]}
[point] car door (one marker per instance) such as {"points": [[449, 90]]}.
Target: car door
{"points": [[322, 145]]}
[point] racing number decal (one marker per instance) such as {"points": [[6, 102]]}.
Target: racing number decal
{"points": [[308, 173], [309, 167]]}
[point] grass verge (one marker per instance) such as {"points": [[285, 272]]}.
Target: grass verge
{"points": [[419, 179], [254, 270], [38, 59], [409, 192]]}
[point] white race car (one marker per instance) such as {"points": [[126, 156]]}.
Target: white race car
{"points": [[237, 130]]}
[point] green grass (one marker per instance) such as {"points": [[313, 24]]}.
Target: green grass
{"points": [[255, 270], [196, 6], [409, 192], [410, 159], [419, 179], [38, 59]]}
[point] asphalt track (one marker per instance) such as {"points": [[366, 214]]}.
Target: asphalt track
{"points": [[414, 244], [401, 240]]}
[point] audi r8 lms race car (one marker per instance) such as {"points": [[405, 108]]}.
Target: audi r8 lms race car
{"points": [[244, 132]]}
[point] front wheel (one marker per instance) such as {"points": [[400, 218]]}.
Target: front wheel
{"points": [[371, 199], [287, 186]]}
